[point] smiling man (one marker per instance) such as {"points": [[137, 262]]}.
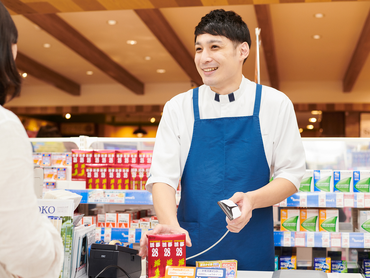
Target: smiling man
{"points": [[225, 140]]}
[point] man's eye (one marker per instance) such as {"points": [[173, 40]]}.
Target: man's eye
{"points": [[198, 49], [214, 46]]}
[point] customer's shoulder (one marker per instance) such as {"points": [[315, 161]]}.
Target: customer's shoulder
{"points": [[7, 115]]}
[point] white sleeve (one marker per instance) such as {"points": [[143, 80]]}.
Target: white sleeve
{"points": [[30, 246], [166, 154], [288, 157]]}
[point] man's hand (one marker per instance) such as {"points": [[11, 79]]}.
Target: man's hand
{"points": [[244, 202], [161, 229]]}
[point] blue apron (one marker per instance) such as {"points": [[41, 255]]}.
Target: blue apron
{"points": [[226, 156]]}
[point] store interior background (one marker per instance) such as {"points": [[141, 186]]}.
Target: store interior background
{"points": [[112, 65]]}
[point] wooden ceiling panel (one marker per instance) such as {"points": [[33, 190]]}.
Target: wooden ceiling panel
{"points": [[90, 5]]}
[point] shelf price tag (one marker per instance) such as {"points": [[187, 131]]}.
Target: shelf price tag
{"points": [[348, 200], [98, 234], [325, 239], [366, 240], [322, 199], [360, 197], [339, 199], [283, 203], [287, 239], [367, 200], [131, 235], [107, 234], [303, 199], [300, 238], [345, 240], [310, 239], [336, 240]]}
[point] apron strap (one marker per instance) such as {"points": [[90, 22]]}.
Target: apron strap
{"points": [[257, 101], [195, 103]]}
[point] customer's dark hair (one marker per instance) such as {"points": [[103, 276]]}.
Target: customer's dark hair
{"points": [[10, 80], [224, 23]]}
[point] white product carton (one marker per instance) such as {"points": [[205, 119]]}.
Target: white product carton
{"points": [[364, 221], [290, 220], [361, 181], [343, 180], [329, 220], [307, 182], [323, 180]]}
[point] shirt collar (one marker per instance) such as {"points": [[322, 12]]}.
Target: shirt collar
{"points": [[232, 96]]}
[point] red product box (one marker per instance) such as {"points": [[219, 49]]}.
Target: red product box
{"points": [[79, 160], [103, 173], [126, 157], [104, 156], [145, 157], [139, 176], [111, 184], [164, 250], [118, 176], [111, 220], [92, 176]]}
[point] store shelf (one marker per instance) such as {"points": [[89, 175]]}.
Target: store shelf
{"points": [[322, 239], [103, 196], [124, 235], [328, 200]]}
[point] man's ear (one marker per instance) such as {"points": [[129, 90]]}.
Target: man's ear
{"points": [[244, 50]]}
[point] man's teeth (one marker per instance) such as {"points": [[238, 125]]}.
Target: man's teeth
{"points": [[211, 69]]}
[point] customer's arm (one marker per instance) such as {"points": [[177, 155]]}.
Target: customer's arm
{"points": [[30, 246]]}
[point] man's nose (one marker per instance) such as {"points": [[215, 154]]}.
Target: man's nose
{"points": [[205, 56]]}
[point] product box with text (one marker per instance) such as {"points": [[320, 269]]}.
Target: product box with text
{"points": [[309, 219], [124, 220], [139, 176], [145, 156], [96, 176], [339, 266], [126, 157], [322, 264], [323, 180], [79, 160], [364, 221], [290, 220], [361, 181], [307, 182], [329, 220], [111, 220], [231, 266], [288, 262], [165, 250], [343, 180], [104, 156], [100, 220], [122, 177]]}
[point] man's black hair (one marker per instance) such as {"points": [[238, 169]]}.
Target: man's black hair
{"points": [[224, 23]]}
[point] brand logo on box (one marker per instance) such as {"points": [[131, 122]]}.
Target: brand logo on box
{"points": [[47, 209]]}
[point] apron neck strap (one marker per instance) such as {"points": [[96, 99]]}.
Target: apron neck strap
{"points": [[257, 101], [195, 103]]}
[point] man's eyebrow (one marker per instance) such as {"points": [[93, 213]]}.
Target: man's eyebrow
{"points": [[209, 42]]}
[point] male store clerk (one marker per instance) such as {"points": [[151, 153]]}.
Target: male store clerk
{"points": [[225, 140]]}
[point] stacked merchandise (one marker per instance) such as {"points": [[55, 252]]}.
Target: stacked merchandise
{"points": [[112, 169]]}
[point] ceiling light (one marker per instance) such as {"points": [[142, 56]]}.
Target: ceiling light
{"points": [[312, 120], [319, 15], [132, 42], [316, 37], [300, 130], [161, 70], [147, 58], [310, 127], [47, 45], [316, 112], [67, 116], [152, 120], [112, 22], [24, 75], [140, 132], [89, 72]]}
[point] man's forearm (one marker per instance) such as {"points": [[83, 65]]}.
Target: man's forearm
{"points": [[164, 200], [272, 193]]}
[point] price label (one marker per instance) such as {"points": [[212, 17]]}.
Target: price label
{"points": [[303, 199], [360, 200], [131, 235], [283, 203], [339, 199], [107, 234], [366, 240], [310, 239], [348, 200], [345, 240], [98, 234], [336, 240], [287, 239], [367, 200], [300, 239], [322, 199], [325, 239]]}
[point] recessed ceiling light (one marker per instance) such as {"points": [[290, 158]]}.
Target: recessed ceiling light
{"points": [[152, 120], [89, 72], [47, 45], [161, 70], [310, 127], [316, 112], [312, 120], [132, 42], [112, 22], [300, 130], [319, 15], [316, 37], [67, 116], [148, 58], [24, 75]]}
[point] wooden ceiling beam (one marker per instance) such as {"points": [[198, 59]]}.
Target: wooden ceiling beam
{"points": [[359, 57], [263, 15], [160, 27], [45, 74], [69, 36]]}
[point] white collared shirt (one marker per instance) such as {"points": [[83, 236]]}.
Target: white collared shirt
{"points": [[281, 138]]}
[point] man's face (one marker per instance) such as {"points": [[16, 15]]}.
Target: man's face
{"points": [[219, 62]]}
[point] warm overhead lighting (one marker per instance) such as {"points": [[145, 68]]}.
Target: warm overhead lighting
{"points": [[47, 45], [147, 58], [300, 130], [67, 116], [140, 132], [161, 70], [24, 75], [312, 120], [112, 22], [132, 42], [316, 112], [152, 120], [319, 15], [89, 72], [310, 127], [316, 37]]}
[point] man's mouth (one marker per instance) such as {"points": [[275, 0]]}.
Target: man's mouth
{"points": [[210, 69]]}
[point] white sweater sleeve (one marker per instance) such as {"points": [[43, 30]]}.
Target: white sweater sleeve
{"points": [[30, 246]]}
